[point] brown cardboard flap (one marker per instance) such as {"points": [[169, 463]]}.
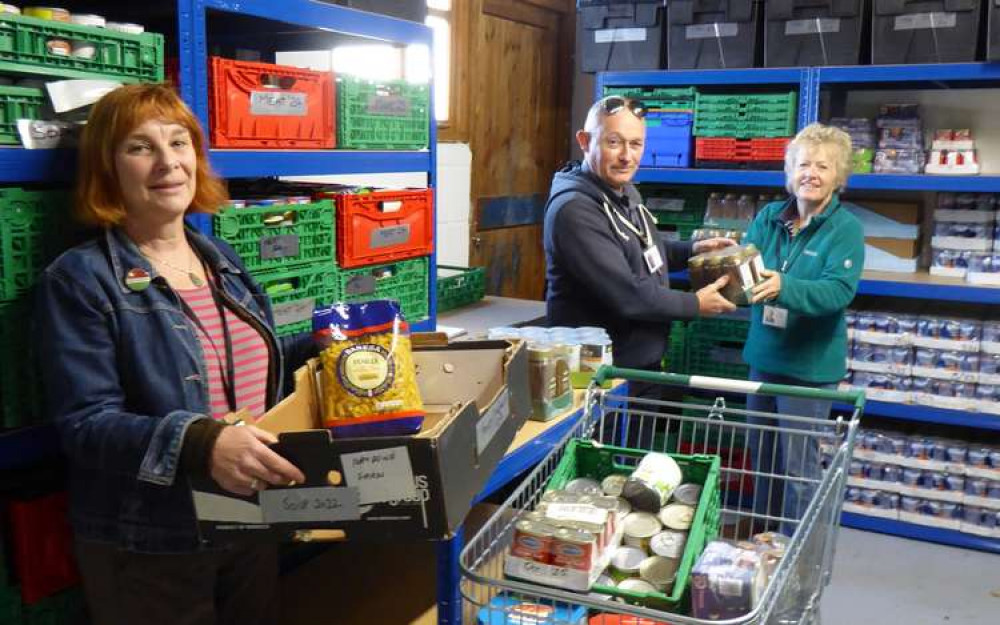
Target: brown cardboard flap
{"points": [[900, 248], [901, 212]]}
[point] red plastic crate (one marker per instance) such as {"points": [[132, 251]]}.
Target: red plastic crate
{"points": [[729, 149], [43, 546], [260, 105], [384, 226]]}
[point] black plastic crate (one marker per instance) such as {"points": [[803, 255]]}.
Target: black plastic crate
{"points": [[935, 31], [412, 10], [714, 34], [806, 32], [993, 32], [621, 34]]}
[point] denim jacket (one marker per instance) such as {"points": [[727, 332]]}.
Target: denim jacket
{"points": [[125, 377]]}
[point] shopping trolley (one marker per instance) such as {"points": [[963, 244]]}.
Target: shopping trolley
{"points": [[742, 440]]}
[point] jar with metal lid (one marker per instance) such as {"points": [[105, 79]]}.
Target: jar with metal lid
{"points": [[696, 269], [542, 369]]}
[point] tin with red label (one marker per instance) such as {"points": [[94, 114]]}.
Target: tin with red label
{"points": [[533, 541], [574, 549]]}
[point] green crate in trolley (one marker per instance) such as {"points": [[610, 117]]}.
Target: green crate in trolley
{"points": [[20, 384], [459, 286], [583, 458], [295, 293], [126, 57], [18, 103], [386, 115], [405, 281], [285, 235]]}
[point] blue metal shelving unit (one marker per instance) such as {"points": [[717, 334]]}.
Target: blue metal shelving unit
{"points": [[919, 532], [811, 82]]}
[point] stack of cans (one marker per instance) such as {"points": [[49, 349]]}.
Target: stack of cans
{"points": [[900, 140], [863, 140]]}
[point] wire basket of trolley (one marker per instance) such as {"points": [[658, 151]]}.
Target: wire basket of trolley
{"points": [[653, 511]]}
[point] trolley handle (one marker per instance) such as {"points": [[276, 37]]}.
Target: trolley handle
{"points": [[605, 372]]}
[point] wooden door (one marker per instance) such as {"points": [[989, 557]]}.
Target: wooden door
{"points": [[520, 94]]}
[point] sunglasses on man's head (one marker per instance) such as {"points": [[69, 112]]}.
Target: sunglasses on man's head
{"points": [[615, 103]]}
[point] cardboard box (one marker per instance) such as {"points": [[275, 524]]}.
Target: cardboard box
{"points": [[901, 212], [385, 488], [888, 220], [900, 248]]}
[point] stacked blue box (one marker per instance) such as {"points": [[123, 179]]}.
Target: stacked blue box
{"points": [[668, 139]]}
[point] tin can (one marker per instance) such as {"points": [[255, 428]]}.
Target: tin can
{"points": [[594, 353], [993, 456], [892, 473], [88, 19], [59, 47], [624, 508], [126, 27], [991, 332], [55, 14], [917, 448], [868, 497], [956, 452], [638, 528], [954, 483], [688, 494], [638, 586], [612, 484], [889, 501], [533, 541], [937, 449], [858, 468], [560, 496], [978, 457], [975, 487], [677, 516], [669, 544], [625, 563], [9, 9], [874, 471], [909, 504], [949, 510], [993, 489], [853, 494], [973, 515], [771, 541], [574, 549], [659, 572], [653, 482]]}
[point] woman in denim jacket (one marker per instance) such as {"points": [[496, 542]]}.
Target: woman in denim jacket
{"points": [[151, 334]]}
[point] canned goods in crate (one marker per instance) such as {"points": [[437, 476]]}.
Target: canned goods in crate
{"points": [[625, 562], [659, 572], [583, 486], [639, 586], [574, 549], [669, 544], [639, 527], [533, 540], [612, 484], [677, 516], [653, 482], [688, 494]]}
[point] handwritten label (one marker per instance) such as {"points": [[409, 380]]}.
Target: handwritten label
{"points": [[294, 312], [923, 21], [812, 26], [285, 103], [394, 105], [712, 31], [44, 135], [389, 236], [491, 421], [310, 504], [580, 513], [380, 475], [610, 35], [279, 246]]}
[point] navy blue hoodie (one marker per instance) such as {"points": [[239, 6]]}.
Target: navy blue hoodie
{"points": [[597, 278]]}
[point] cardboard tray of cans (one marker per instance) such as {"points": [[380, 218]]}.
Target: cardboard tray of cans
{"points": [[589, 460], [743, 265]]}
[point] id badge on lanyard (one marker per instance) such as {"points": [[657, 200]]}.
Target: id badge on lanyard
{"points": [[654, 261]]}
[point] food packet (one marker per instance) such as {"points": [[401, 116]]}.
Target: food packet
{"points": [[368, 378]]}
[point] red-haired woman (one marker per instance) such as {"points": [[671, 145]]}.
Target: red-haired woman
{"points": [[151, 334]]}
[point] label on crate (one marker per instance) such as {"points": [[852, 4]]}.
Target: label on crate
{"points": [[279, 246], [380, 475], [363, 284], [286, 103], [712, 31], [610, 35], [394, 105], [389, 236], [491, 421], [294, 312], [326, 503], [813, 26], [921, 21], [581, 513]]}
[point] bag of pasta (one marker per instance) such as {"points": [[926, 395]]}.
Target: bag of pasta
{"points": [[368, 379]]}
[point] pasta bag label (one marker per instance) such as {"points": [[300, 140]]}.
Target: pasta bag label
{"points": [[368, 377]]}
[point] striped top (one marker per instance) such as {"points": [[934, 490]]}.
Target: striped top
{"points": [[250, 355]]}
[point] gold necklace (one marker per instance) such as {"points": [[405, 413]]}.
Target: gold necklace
{"points": [[189, 272]]}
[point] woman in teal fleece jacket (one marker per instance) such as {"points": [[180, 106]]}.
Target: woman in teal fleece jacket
{"points": [[814, 250]]}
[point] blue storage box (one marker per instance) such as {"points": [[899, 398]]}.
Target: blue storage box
{"points": [[668, 139]]}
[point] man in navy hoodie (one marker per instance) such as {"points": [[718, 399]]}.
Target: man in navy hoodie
{"points": [[607, 265]]}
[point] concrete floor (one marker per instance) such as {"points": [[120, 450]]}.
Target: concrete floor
{"points": [[884, 580]]}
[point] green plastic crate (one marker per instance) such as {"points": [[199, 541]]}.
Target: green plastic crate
{"points": [[33, 226], [119, 56], [684, 231], [719, 328], [404, 281], [390, 115], [675, 360], [10, 605], [20, 386], [17, 103], [663, 98], [789, 100], [459, 286], [270, 237], [744, 130], [295, 293], [746, 115], [586, 459], [65, 608]]}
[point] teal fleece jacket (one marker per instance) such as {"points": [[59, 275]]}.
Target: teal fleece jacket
{"points": [[825, 261]]}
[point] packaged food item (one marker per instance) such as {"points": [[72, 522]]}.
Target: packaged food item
{"points": [[726, 582], [652, 483], [509, 610], [551, 390], [743, 265], [369, 384]]}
